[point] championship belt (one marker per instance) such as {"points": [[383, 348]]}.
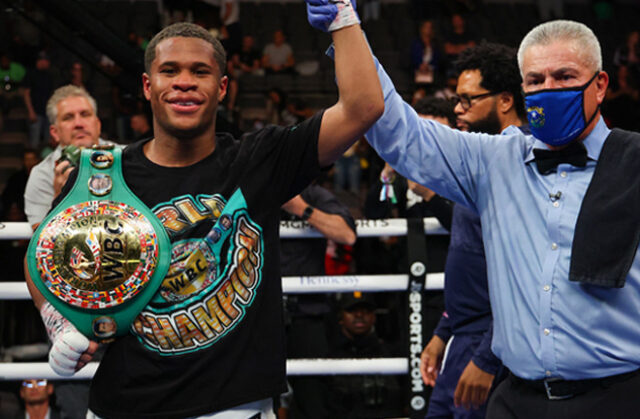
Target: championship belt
{"points": [[101, 254]]}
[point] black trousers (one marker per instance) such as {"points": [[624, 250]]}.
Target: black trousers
{"points": [[513, 399]]}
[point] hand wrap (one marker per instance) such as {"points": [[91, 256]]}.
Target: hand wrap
{"points": [[331, 15], [67, 343], [347, 15]]}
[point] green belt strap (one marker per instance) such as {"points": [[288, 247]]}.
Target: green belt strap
{"points": [[101, 254]]}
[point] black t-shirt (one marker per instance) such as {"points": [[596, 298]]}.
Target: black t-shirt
{"points": [[213, 335], [248, 57]]}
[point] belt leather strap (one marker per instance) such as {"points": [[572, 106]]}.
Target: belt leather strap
{"points": [[558, 389]]}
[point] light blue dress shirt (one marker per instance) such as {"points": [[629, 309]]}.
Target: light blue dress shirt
{"points": [[544, 325]]}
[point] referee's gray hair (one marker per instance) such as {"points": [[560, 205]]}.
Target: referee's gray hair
{"points": [[566, 30], [65, 92]]}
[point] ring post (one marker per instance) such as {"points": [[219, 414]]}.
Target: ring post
{"points": [[417, 258]]}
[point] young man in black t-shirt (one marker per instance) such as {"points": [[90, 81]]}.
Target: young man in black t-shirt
{"points": [[211, 341]]}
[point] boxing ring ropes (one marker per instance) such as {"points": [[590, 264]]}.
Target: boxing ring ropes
{"points": [[413, 283]]}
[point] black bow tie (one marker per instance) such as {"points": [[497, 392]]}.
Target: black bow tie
{"points": [[548, 160]]}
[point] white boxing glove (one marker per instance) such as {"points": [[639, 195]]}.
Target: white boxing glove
{"points": [[68, 343], [347, 15]]}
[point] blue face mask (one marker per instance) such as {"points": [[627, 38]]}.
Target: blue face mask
{"points": [[556, 116]]}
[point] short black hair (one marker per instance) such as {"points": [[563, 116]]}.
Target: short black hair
{"points": [[185, 30], [498, 67], [436, 107]]}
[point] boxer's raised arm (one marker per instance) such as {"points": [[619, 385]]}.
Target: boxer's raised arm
{"points": [[360, 100]]}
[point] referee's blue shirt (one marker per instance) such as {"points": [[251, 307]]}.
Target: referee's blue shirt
{"points": [[544, 325]]}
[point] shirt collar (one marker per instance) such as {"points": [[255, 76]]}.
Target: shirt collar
{"points": [[514, 129], [57, 153], [593, 142]]}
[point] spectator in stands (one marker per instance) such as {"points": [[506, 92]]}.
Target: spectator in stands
{"points": [[309, 314], [425, 54], [629, 55], [136, 41], [38, 87], [36, 395], [623, 85], [621, 107], [230, 19], [72, 113], [125, 95], [362, 396], [78, 77], [277, 57], [458, 38], [140, 126], [21, 51], [174, 11], [11, 75], [246, 60], [14, 190]]}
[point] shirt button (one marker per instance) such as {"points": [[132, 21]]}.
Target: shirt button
{"points": [[556, 204], [554, 246], [563, 174], [546, 332], [546, 288], [548, 373]]}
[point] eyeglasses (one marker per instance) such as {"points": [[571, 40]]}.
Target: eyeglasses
{"points": [[465, 101], [34, 383]]}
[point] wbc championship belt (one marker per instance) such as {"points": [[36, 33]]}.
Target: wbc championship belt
{"points": [[101, 254]]}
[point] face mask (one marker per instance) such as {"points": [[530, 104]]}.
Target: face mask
{"points": [[556, 116]]}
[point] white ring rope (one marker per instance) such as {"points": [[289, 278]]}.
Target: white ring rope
{"points": [[320, 366], [295, 284], [288, 229], [15, 231]]}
